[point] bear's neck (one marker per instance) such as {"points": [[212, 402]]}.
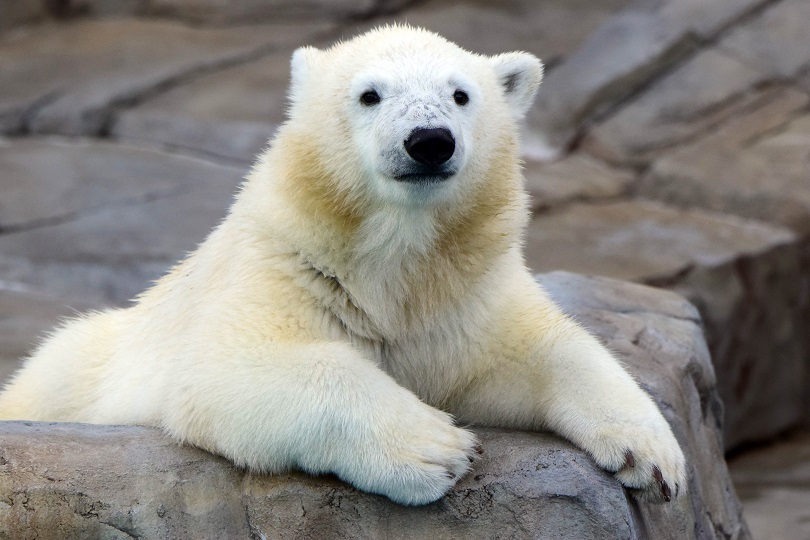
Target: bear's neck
{"points": [[385, 271]]}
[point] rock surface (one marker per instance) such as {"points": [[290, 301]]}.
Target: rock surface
{"points": [[623, 55], [230, 113], [72, 480], [691, 99], [755, 165], [575, 178], [776, 476], [65, 79]]}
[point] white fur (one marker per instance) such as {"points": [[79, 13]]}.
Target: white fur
{"points": [[329, 318]]}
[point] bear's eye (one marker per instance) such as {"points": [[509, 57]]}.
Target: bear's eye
{"points": [[370, 98], [461, 97]]}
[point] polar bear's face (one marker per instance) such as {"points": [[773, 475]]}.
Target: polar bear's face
{"points": [[414, 123], [417, 113]]}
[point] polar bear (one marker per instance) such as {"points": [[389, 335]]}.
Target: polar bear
{"points": [[366, 290]]}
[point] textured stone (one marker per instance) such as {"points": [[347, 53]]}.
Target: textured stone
{"points": [[230, 113], [628, 51], [247, 11], [65, 78], [642, 240], [59, 477], [691, 99], [774, 486], [776, 41], [804, 80], [16, 12], [575, 178], [90, 224], [755, 165], [745, 277], [548, 29]]}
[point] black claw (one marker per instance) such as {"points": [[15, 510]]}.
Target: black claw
{"points": [[665, 491], [629, 459], [677, 489], [471, 458], [450, 475], [479, 449]]}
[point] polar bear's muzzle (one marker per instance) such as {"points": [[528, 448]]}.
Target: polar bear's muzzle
{"points": [[431, 149]]}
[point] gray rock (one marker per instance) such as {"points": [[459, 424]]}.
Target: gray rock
{"points": [[122, 482], [67, 78], [47, 182], [755, 165], [230, 113], [642, 240], [691, 99], [575, 178], [804, 80], [81, 200], [776, 41], [629, 50], [774, 486], [20, 12], [550, 30], [249, 11], [742, 275]]}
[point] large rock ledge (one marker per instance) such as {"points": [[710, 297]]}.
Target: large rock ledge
{"points": [[80, 481]]}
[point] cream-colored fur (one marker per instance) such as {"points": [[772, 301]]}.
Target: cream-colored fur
{"points": [[336, 314]]}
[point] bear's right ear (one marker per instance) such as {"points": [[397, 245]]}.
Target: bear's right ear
{"points": [[301, 66], [520, 74]]}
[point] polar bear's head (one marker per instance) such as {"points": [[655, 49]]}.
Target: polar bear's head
{"points": [[403, 115]]}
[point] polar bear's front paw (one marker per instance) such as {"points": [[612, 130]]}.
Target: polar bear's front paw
{"points": [[648, 461], [416, 460]]}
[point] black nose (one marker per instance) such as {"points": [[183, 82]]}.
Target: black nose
{"points": [[431, 146]]}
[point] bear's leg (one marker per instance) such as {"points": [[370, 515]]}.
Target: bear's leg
{"points": [[546, 372], [322, 408]]}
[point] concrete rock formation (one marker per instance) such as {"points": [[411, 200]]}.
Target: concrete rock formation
{"points": [[83, 481]]}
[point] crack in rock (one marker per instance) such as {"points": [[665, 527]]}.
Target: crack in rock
{"points": [[53, 221]]}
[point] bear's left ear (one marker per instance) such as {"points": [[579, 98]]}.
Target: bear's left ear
{"points": [[520, 74]]}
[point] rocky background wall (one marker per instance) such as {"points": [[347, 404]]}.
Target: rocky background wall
{"points": [[669, 145]]}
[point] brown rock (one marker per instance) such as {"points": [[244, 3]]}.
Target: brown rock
{"points": [[742, 275], [80, 480]]}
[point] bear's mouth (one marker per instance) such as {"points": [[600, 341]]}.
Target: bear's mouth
{"points": [[424, 177]]}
